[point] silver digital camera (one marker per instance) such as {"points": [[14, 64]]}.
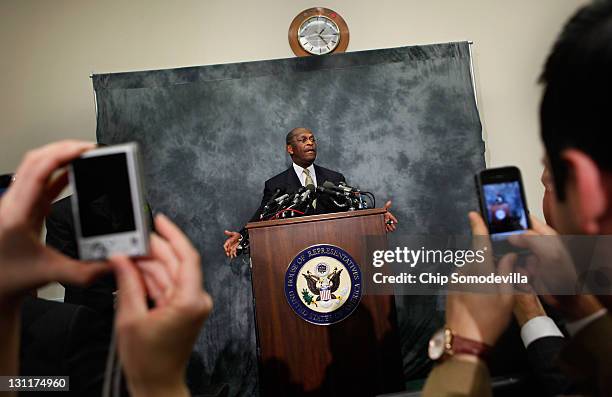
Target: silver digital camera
{"points": [[108, 203]]}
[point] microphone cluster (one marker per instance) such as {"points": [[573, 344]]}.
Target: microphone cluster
{"points": [[302, 202]]}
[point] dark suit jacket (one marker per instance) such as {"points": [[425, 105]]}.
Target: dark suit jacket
{"points": [[60, 339], [545, 372], [61, 236], [289, 182], [588, 357]]}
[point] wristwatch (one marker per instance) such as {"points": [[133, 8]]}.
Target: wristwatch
{"points": [[444, 343]]}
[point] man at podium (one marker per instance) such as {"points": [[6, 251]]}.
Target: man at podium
{"points": [[301, 145]]}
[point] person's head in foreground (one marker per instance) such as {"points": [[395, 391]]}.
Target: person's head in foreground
{"points": [[576, 122], [576, 129]]}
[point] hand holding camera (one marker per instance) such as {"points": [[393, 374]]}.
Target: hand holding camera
{"points": [[25, 263]]}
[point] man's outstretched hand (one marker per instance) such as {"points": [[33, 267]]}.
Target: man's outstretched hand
{"points": [[231, 244], [390, 219]]}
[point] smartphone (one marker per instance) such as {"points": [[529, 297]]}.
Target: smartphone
{"points": [[5, 182], [502, 202], [108, 203]]}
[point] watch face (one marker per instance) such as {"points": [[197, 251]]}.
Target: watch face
{"points": [[436, 345], [319, 35]]}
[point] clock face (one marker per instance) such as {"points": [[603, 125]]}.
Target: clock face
{"points": [[318, 35]]}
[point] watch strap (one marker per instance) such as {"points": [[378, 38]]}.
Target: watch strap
{"points": [[461, 345]]}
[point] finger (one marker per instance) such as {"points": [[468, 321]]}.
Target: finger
{"points": [[505, 267], [60, 268], [480, 239], [157, 272], [155, 288], [540, 227], [42, 207], [479, 228], [161, 250], [36, 169], [56, 185], [154, 291], [550, 300], [387, 205], [535, 277], [392, 217], [543, 247], [190, 275], [131, 298]]}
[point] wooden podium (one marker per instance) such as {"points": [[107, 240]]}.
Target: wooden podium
{"points": [[358, 356]]}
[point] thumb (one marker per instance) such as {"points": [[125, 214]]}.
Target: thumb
{"points": [[505, 267], [479, 228], [387, 205], [131, 297], [228, 233], [540, 227]]}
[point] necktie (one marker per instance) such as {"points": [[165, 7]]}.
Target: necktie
{"points": [[308, 181]]}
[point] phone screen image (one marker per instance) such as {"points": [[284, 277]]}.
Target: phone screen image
{"points": [[505, 209], [104, 197]]}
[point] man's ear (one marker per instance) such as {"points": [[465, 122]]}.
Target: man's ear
{"points": [[585, 191], [290, 150]]}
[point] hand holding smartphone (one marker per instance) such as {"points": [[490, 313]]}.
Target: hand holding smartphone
{"points": [[502, 202]]}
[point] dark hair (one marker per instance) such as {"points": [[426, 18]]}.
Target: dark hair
{"points": [[576, 108], [292, 133]]}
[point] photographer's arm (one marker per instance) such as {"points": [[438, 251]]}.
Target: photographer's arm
{"points": [[25, 263]]}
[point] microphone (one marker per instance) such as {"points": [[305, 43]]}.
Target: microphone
{"points": [[325, 190], [277, 192], [281, 198], [296, 195], [309, 189], [342, 187]]}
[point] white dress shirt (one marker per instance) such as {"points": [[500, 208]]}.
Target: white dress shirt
{"points": [[300, 174], [539, 327]]}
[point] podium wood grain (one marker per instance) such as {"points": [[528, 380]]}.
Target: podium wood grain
{"points": [[358, 356]]}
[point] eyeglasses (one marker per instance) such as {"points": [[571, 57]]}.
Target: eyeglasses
{"points": [[304, 139]]}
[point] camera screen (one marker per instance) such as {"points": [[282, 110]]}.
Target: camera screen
{"points": [[104, 196], [506, 212]]}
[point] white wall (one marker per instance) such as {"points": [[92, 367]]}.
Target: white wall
{"points": [[48, 48]]}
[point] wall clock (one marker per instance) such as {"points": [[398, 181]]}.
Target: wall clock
{"points": [[318, 31]]}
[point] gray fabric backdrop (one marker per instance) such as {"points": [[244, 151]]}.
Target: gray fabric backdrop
{"points": [[399, 122]]}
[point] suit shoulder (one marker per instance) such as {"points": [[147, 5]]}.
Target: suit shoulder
{"points": [[332, 176], [279, 178]]}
